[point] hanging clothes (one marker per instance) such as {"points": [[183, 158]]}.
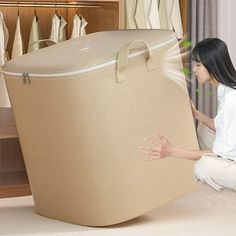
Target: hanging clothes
{"points": [[4, 37], [79, 24], [174, 17], [76, 27], [140, 15], [147, 8], [163, 14], [54, 35], [62, 31], [35, 35], [154, 17], [18, 48], [177, 20], [58, 32], [130, 7], [84, 23]]}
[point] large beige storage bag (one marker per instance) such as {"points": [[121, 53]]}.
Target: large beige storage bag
{"points": [[82, 117]]}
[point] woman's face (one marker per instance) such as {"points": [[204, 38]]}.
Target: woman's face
{"points": [[201, 72]]}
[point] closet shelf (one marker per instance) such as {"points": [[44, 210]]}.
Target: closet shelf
{"points": [[74, 4], [8, 132], [15, 190]]}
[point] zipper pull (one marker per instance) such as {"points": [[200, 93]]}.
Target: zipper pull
{"points": [[26, 78]]}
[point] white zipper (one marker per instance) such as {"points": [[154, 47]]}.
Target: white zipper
{"points": [[89, 69]]}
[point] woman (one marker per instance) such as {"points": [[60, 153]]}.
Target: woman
{"points": [[216, 163]]}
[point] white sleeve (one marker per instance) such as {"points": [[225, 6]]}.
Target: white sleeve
{"points": [[225, 123], [230, 123]]}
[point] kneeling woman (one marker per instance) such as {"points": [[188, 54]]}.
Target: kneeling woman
{"points": [[216, 163]]}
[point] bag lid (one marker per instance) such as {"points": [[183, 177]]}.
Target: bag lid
{"points": [[83, 52]]}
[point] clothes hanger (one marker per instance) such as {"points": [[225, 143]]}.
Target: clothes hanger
{"points": [[77, 13], [55, 9], [35, 11], [18, 9], [56, 12]]}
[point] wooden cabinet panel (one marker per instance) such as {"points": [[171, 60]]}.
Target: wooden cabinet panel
{"points": [[13, 177]]}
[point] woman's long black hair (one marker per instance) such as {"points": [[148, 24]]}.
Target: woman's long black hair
{"points": [[213, 54]]}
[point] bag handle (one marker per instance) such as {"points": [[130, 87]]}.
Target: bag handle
{"points": [[41, 41], [123, 56]]}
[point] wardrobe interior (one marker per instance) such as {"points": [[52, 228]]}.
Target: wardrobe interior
{"points": [[100, 15]]}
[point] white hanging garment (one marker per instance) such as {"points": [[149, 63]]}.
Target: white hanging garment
{"points": [[79, 24], [174, 17], [62, 31], [147, 8], [58, 32], [130, 7], [154, 17], [76, 27], [54, 35], [4, 36], [18, 48], [139, 15], [84, 23], [163, 14], [35, 35], [177, 20]]}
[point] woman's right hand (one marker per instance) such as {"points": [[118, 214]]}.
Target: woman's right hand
{"points": [[209, 122], [194, 110], [162, 148]]}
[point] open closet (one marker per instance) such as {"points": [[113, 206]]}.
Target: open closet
{"points": [[101, 16]]}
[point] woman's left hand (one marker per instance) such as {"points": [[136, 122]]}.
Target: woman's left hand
{"points": [[160, 150]]}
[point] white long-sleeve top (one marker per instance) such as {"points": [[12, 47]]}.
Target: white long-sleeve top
{"points": [[225, 123]]}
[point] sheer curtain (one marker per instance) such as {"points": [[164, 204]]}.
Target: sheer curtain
{"points": [[203, 24]]}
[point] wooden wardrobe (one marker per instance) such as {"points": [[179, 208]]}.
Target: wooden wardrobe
{"points": [[101, 16]]}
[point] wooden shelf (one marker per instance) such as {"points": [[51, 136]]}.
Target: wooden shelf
{"points": [[64, 1], [8, 132], [15, 190], [13, 184], [96, 1]]}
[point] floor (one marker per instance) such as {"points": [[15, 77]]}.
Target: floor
{"points": [[203, 212]]}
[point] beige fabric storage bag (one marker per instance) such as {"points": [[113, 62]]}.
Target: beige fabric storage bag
{"points": [[81, 119]]}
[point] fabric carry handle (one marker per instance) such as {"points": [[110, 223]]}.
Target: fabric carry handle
{"points": [[41, 41], [123, 57]]}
